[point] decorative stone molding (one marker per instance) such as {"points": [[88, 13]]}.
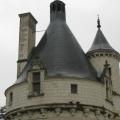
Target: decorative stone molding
{"points": [[103, 54], [48, 111]]}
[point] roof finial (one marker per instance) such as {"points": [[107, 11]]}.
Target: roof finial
{"points": [[98, 22]]}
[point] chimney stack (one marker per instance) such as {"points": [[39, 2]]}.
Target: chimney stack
{"points": [[27, 36]]}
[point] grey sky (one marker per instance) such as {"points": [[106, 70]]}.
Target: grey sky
{"points": [[81, 18]]}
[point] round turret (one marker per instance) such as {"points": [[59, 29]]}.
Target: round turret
{"points": [[100, 52]]}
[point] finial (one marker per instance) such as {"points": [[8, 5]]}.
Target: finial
{"points": [[98, 22]]}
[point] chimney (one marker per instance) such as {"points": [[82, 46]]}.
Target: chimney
{"points": [[27, 38], [57, 11]]}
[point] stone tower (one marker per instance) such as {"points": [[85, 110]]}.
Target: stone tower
{"points": [[60, 81]]}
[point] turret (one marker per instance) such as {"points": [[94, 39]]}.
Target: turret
{"points": [[100, 52], [26, 39]]}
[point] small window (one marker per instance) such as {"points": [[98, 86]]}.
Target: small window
{"points": [[36, 83], [73, 89], [11, 98], [110, 71]]}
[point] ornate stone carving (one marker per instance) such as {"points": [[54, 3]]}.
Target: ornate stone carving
{"points": [[72, 111], [30, 115], [58, 111], [44, 113], [106, 116], [47, 112], [19, 116], [86, 112]]}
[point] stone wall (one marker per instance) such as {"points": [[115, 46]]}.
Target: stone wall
{"points": [[98, 63], [59, 91]]}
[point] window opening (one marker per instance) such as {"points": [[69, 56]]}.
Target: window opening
{"points": [[36, 82], [11, 98], [74, 88]]}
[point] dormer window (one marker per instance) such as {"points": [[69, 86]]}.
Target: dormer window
{"points": [[36, 79]]}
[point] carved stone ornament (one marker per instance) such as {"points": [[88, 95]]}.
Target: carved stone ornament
{"points": [[58, 111], [11, 117], [44, 113], [106, 116], [97, 113], [86, 111], [72, 111], [19, 116], [30, 115]]}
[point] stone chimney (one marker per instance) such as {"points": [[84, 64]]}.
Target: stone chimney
{"points": [[27, 38]]}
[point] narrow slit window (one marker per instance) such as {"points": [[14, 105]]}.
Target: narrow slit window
{"points": [[11, 98], [110, 71]]}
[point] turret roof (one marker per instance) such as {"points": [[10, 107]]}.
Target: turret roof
{"points": [[100, 43]]}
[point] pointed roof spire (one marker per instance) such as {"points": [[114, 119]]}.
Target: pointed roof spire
{"points": [[100, 43], [98, 22]]}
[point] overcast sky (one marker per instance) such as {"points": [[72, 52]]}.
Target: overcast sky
{"points": [[81, 18]]}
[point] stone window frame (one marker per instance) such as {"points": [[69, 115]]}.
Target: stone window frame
{"points": [[36, 82], [30, 82]]}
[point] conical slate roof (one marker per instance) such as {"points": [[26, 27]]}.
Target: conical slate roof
{"points": [[59, 52], [100, 42]]}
